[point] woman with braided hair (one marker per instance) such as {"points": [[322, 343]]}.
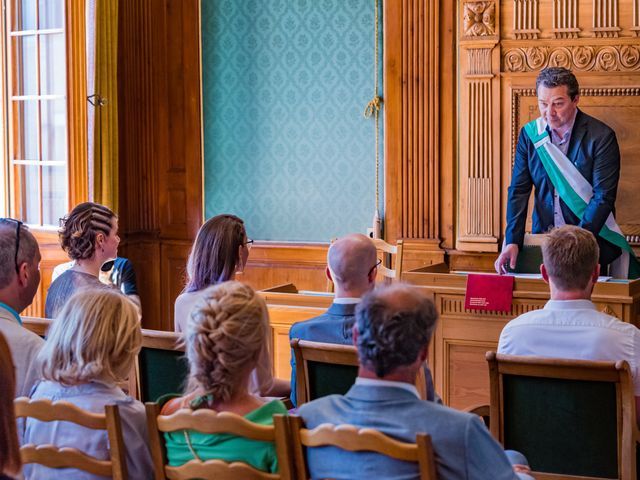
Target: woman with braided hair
{"points": [[224, 338], [221, 250], [89, 235]]}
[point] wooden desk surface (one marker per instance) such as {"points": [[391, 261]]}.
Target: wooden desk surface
{"points": [[462, 337]]}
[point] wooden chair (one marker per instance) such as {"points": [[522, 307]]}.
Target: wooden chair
{"points": [[161, 366], [67, 457], [326, 368], [391, 255], [348, 437], [210, 422], [572, 419]]}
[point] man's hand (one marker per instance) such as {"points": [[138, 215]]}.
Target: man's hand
{"points": [[508, 256]]}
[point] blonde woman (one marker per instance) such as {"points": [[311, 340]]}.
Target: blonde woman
{"points": [[90, 348], [224, 338]]}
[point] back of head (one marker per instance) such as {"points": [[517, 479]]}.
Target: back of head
{"points": [[215, 253], [350, 259], [226, 332], [9, 229], [394, 324], [570, 255], [79, 229], [551, 77], [9, 446], [95, 337]]}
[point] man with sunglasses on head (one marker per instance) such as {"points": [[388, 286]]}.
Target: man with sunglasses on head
{"points": [[352, 267], [19, 280]]}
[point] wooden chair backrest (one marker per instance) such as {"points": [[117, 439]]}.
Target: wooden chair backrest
{"points": [[353, 439], [37, 325], [161, 367], [571, 418], [210, 422], [67, 457], [328, 368], [391, 256]]}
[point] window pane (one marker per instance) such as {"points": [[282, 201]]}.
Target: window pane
{"points": [[24, 72], [54, 194], [26, 177], [54, 129], [51, 14], [26, 136], [52, 76], [24, 15]]}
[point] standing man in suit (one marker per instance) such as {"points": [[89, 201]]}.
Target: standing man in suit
{"points": [[392, 332], [573, 160], [352, 267]]}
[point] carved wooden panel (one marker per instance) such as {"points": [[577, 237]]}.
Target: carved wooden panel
{"points": [[467, 373], [605, 18], [411, 95], [565, 18], [479, 126], [525, 19]]}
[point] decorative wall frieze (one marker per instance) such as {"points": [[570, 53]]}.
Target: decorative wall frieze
{"points": [[636, 18], [605, 18], [609, 58], [564, 19], [479, 19], [479, 61], [525, 19]]}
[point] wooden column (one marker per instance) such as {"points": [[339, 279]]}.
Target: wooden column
{"points": [[479, 123], [411, 124], [160, 146]]}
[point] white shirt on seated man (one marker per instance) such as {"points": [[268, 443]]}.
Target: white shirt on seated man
{"points": [[570, 326]]}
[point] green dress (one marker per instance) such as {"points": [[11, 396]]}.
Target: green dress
{"points": [[261, 455]]}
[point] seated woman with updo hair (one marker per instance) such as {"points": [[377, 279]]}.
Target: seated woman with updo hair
{"points": [[221, 249], [89, 235], [90, 349], [224, 338]]}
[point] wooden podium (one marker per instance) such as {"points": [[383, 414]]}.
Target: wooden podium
{"points": [[457, 353]]}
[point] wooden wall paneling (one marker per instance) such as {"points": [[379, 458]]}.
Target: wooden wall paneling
{"points": [[160, 146], [52, 256], [635, 29], [448, 124], [173, 268], [411, 121], [479, 124], [276, 263]]}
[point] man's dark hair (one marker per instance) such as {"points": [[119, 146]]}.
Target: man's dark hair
{"points": [[551, 77], [394, 324]]}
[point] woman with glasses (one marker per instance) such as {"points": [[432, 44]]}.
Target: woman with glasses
{"points": [[221, 250], [89, 235]]}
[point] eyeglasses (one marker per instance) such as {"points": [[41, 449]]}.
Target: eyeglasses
{"points": [[375, 266], [248, 244], [18, 227]]}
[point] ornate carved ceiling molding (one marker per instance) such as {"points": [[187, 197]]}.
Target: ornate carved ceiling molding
{"points": [[608, 58]]}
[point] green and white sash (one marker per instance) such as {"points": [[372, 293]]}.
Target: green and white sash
{"points": [[576, 192]]}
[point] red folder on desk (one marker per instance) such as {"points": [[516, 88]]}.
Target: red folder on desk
{"points": [[489, 292]]}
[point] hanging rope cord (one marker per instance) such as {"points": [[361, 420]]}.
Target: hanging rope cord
{"points": [[373, 107]]}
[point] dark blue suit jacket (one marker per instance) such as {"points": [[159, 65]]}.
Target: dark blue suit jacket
{"points": [[594, 151], [333, 326]]}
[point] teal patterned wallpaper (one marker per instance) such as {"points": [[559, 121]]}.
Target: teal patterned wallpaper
{"points": [[286, 146]]}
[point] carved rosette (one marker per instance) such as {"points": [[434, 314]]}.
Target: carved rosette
{"points": [[479, 19], [610, 58]]}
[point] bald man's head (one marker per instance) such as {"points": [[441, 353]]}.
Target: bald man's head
{"points": [[351, 260]]}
